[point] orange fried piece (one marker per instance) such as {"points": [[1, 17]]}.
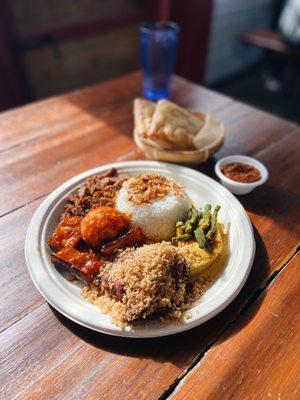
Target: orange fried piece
{"points": [[78, 264], [67, 233], [102, 224]]}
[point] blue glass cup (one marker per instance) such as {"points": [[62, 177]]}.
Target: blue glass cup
{"points": [[159, 42]]}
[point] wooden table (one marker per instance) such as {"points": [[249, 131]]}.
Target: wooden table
{"points": [[249, 351]]}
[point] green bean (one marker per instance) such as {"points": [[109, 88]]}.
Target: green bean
{"points": [[192, 221], [200, 215], [205, 221], [199, 225], [200, 237], [194, 216], [214, 221]]}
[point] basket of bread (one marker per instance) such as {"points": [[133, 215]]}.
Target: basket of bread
{"points": [[167, 132]]}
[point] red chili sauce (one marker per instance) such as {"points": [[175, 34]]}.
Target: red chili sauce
{"points": [[241, 172]]}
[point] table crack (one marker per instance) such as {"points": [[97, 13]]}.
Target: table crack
{"points": [[178, 382]]}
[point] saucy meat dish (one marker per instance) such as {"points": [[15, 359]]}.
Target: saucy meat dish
{"points": [[86, 225], [98, 190], [67, 233], [81, 265]]}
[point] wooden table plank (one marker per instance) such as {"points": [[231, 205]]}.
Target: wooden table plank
{"points": [[151, 360], [46, 163], [259, 356], [108, 366], [258, 203], [44, 356], [190, 95], [36, 170], [100, 131], [49, 156], [249, 130], [17, 293], [59, 113], [39, 344]]}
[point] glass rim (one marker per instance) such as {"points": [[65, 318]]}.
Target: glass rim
{"points": [[154, 26]]}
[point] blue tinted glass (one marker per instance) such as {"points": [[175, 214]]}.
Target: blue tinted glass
{"points": [[158, 50]]}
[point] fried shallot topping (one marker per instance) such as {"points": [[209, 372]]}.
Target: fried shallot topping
{"points": [[146, 188]]}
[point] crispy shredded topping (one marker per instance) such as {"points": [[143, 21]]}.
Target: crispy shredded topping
{"points": [[146, 188], [144, 281], [140, 282]]}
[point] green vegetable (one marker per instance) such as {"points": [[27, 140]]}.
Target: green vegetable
{"points": [[214, 221], [200, 225], [184, 237], [188, 228], [200, 237], [200, 215], [205, 221], [194, 216]]}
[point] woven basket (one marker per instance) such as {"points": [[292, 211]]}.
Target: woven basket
{"points": [[154, 152]]}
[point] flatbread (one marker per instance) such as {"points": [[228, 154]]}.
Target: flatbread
{"points": [[197, 114], [173, 127], [143, 111], [212, 132]]}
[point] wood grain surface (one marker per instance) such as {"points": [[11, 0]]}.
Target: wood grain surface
{"points": [[259, 356], [43, 354]]}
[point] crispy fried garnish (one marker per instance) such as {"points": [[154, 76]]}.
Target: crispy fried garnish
{"points": [[146, 188]]}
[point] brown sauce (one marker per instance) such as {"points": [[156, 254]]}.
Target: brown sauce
{"points": [[241, 172]]}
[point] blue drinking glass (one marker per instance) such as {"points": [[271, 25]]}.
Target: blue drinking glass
{"points": [[158, 49]]}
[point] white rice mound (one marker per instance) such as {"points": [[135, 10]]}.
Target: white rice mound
{"points": [[158, 218]]}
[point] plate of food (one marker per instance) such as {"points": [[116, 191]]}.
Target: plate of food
{"points": [[140, 248]]}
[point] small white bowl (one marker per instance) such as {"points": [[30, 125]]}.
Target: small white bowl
{"points": [[238, 187]]}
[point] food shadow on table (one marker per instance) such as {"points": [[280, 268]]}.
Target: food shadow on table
{"points": [[181, 347], [274, 204]]}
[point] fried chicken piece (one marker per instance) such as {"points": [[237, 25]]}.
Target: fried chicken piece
{"points": [[66, 234], [81, 265], [102, 224]]}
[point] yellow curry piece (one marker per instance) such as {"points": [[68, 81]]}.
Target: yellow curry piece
{"points": [[200, 259]]}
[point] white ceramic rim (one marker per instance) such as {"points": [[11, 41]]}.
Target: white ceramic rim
{"points": [[35, 240], [250, 160]]}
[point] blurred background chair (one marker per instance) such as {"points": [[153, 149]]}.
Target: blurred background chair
{"points": [[262, 68]]}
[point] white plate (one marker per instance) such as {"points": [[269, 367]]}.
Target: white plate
{"points": [[65, 296]]}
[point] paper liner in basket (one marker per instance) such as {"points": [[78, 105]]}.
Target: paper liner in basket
{"points": [[208, 141]]}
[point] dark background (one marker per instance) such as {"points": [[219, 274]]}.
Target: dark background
{"points": [[52, 46]]}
